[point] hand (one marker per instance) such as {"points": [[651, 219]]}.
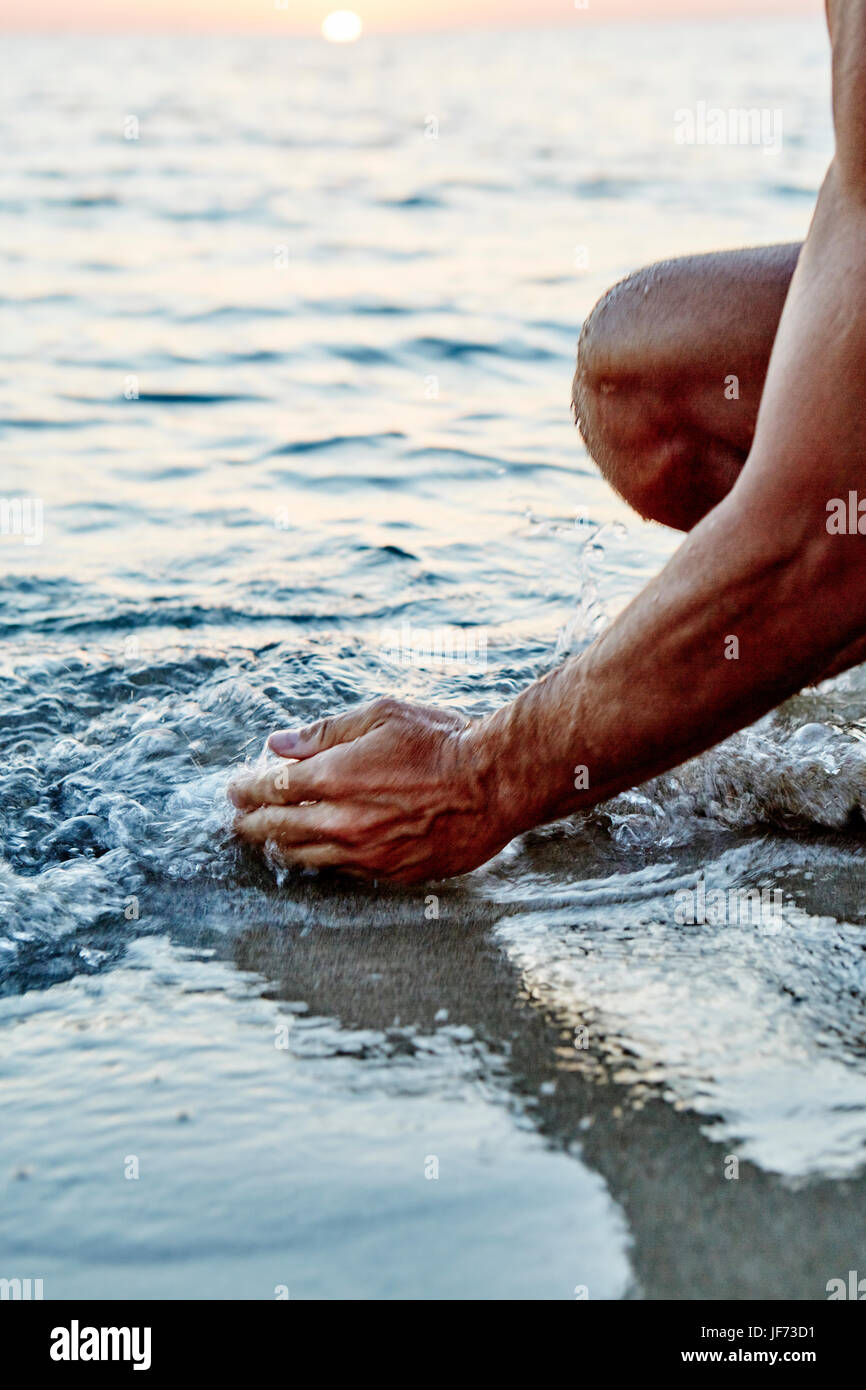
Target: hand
{"points": [[391, 791]]}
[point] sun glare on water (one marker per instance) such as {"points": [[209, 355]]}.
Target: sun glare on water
{"points": [[343, 26]]}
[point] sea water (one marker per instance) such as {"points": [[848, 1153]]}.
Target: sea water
{"points": [[288, 332]]}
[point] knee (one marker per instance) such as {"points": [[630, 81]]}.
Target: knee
{"points": [[609, 363], [629, 413], [619, 405]]}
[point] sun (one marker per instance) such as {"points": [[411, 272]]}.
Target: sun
{"points": [[343, 26]]}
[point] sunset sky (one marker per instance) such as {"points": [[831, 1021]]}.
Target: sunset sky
{"points": [[306, 16]]}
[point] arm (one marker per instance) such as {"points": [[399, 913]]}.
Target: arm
{"points": [[656, 688], [411, 793]]}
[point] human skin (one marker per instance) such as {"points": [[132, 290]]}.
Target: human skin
{"points": [[409, 793]]}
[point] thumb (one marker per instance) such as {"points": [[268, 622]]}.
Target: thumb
{"points": [[326, 733]]}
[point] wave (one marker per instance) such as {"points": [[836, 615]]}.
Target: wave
{"points": [[456, 348], [333, 441]]}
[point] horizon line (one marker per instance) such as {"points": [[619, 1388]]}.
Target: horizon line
{"points": [[723, 14]]}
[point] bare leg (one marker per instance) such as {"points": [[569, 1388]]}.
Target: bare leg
{"points": [[650, 391], [653, 394]]}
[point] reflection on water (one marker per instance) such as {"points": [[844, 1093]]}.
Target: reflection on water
{"points": [[286, 375]]}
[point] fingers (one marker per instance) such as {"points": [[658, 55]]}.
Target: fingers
{"points": [[291, 826], [278, 784], [321, 857], [326, 733], [298, 835]]}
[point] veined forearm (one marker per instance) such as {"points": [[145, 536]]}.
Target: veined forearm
{"points": [[759, 600], [734, 624]]}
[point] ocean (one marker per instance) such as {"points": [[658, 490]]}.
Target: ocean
{"points": [[288, 332]]}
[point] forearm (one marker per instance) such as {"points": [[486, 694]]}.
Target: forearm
{"points": [[725, 633], [667, 680]]}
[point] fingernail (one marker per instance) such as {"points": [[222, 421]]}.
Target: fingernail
{"points": [[283, 742]]}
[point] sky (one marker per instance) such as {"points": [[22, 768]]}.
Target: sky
{"points": [[305, 16]]}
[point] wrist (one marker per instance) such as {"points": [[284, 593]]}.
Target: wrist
{"points": [[498, 787]]}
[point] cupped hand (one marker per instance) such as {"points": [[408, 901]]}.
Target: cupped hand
{"points": [[392, 790]]}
